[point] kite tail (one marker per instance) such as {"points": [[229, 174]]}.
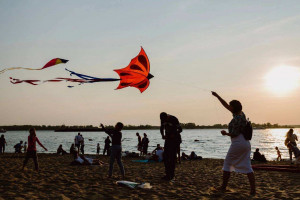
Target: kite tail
{"points": [[12, 68], [91, 79]]}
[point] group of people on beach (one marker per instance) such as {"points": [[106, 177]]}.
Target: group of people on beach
{"points": [[237, 158], [143, 144]]}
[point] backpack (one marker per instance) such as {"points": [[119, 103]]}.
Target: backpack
{"points": [[248, 130]]}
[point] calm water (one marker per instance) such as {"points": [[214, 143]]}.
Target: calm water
{"points": [[211, 143]]}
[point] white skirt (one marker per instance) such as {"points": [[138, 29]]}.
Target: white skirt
{"points": [[238, 156]]}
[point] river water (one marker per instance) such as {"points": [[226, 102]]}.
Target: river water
{"points": [[211, 143]]}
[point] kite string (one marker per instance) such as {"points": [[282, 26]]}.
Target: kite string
{"points": [[216, 110], [184, 83]]}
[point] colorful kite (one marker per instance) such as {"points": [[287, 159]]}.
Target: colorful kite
{"points": [[136, 74], [52, 62]]}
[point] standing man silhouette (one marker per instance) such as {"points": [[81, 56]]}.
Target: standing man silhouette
{"points": [[170, 130]]}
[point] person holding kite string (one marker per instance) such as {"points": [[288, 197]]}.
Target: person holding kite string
{"points": [[116, 148], [238, 156]]}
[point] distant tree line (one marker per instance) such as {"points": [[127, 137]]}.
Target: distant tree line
{"points": [[64, 128]]}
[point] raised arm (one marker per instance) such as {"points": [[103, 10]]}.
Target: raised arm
{"points": [[38, 141], [105, 130], [223, 102]]}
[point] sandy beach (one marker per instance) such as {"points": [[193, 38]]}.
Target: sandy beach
{"points": [[194, 180]]}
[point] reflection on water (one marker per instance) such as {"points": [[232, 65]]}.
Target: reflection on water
{"points": [[211, 143]]}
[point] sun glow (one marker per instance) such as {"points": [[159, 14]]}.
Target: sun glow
{"points": [[283, 80]]}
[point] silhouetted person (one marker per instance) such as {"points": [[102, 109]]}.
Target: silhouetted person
{"points": [[31, 150], [60, 150], [25, 147], [98, 149], [2, 144], [238, 155], [77, 141], [82, 144], [107, 146], [18, 147], [140, 146], [257, 156], [291, 138], [145, 143], [278, 154], [296, 152], [72, 149], [116, 148], [170, 130]]}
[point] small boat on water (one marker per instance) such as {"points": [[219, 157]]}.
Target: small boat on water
{"points": [[2, 130]]}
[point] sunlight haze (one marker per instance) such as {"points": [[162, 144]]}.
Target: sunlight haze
{"points": [[194, 47]]}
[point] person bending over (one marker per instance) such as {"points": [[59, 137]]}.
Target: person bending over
{"points": [[170, 130]]}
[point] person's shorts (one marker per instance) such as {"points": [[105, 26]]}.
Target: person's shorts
{"points": [[77, 145], [31, 154]]}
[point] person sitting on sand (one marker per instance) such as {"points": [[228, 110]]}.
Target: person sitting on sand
{"points": [[61, 151], [238, 155], [31, 150], [278, 154], [116, 148], [157, 153], [18, 147], [296, 152], [184, 156], [83, 160], [72, 149], [257, 156], [194, 156]]}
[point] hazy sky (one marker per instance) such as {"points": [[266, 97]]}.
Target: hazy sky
{"points": [[226, 46]]}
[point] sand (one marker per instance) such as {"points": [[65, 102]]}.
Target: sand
{"points": [[194, 180]]}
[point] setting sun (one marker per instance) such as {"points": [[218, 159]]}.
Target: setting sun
{"points": [[282, 80]]}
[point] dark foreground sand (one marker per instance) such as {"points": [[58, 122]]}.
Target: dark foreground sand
{"points": [[194, 180]]}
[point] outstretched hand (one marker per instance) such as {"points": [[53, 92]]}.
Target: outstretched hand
{"points": [[214, 94]]}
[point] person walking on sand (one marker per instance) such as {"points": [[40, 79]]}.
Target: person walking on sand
{"points": [[238, 156], [2, 144], [145, 144], [170, 130], [291, 138], [31, 150], [116, 148], [139, 146], [107, 146], [278, 154]]}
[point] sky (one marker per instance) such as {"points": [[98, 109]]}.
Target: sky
{"points": [[193, 47]]}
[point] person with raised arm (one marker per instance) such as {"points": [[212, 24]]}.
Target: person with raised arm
{"points": [[116, 148], [170, 130], [31, 150], [238, 156]]}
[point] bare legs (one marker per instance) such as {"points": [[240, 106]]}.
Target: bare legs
{"points": [[226, 176], [252, 182]]}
